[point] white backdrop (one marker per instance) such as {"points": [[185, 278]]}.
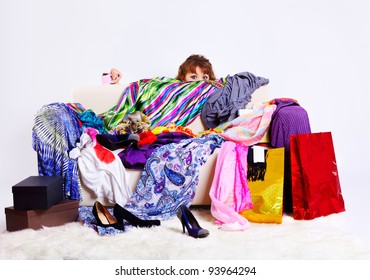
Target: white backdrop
{"points": [[314, 51]]}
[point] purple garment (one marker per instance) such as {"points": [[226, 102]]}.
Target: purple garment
{"points": [[288, 119], [135, 156]]}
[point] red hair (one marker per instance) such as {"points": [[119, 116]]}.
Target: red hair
{"points": [[190, 65]]}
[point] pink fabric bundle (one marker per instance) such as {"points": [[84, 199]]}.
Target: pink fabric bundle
{"points": [[229, 192]]}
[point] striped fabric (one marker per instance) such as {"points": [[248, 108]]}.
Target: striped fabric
{"points": [[163, 100], [77, 107], [54, 134]]}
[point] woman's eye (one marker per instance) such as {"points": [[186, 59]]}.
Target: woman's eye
{"points": [[194, 77], [205, 77]]}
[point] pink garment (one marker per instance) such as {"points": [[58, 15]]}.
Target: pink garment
{"points": [[248, 129], [229, 191]]}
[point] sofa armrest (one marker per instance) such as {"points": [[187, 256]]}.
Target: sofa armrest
{"points": [[99, 98]]}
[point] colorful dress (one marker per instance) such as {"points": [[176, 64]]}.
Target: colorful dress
{"points": [[54, 134]]}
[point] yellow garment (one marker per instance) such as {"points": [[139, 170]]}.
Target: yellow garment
{"points": [[173, 128], [267, 195]]}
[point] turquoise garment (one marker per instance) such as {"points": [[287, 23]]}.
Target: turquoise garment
{"points": [[90, 119]]}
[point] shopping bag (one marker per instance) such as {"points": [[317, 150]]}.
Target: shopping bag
{"points": [[267, 193], [316, 187]]}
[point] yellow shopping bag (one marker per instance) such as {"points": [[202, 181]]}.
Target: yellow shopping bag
{"points": [[267, 195]]}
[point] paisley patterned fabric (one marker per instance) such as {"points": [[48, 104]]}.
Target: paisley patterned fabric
{"points": [[170, 177], [86, 217]]}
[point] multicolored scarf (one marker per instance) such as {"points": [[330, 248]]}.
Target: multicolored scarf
{"points": [[163, 100], [248, 129]]}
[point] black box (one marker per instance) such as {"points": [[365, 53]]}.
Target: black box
{"points": [[63, 212], [37, 192]]}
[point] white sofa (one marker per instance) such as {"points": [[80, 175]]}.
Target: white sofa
{"points": [[101, 98]]}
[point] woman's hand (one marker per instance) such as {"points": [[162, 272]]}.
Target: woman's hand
{"points": [[115, 75]]}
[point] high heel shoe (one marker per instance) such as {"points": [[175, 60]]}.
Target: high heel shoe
{"points": [[104, 218], [122, 214], [188, 220]]}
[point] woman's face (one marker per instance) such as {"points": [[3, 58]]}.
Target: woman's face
{"points": [[198, 76]]}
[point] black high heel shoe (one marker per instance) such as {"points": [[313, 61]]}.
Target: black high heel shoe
{"points": [[188, 220], [122, 214], [104, 218]]}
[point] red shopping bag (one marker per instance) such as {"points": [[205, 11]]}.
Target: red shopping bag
{"points": [[316, 187]]}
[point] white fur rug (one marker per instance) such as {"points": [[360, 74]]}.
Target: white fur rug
{"points": [[318, 239]]}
